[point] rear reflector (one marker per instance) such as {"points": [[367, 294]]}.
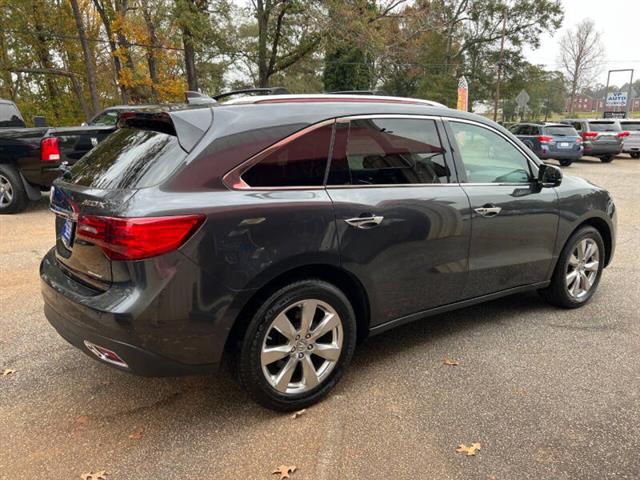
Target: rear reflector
{"points": [[137, 238], [49, 149]]}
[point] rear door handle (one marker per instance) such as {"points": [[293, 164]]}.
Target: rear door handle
{"points": [[365, 222], [488, 210]]}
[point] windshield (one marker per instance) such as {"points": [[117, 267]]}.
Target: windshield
{"points": [[129, 158], [604, 127], [631, 126], [562, 131]]}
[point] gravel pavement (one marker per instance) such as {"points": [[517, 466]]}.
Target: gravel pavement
{"points": [[549, 393]]}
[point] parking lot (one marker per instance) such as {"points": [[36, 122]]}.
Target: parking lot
{"points": [[548, 393]]}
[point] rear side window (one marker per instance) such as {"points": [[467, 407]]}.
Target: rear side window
{"points": [[577, 126], [604, 127], [9, 116], [301, 162], [388, 151], [561, 131], [129, 158], [631, 126]]}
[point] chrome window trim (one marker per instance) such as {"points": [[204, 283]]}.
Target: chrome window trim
{"points": [[530, 161]]}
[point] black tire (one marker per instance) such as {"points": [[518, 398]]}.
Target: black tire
{"points": [[248, 366], [606, 158], [11, 186], [565, 163], [557, 293], [635, 154]]}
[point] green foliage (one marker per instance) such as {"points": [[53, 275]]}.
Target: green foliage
{"points": [[347, 68]]}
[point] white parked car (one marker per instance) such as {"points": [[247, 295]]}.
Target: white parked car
{"points": [[631, 142]]}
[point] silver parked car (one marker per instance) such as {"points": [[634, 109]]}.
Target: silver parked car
{"points": [[631, 136]]}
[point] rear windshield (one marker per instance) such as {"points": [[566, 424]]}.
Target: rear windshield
{"points": [[563, 131], [632, 126], [604, 127], [129, 158]]}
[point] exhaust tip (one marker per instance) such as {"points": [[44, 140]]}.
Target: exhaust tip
{"points": [[106, 355]]}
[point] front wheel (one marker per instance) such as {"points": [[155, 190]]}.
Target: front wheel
{"points": [[297, 345], [578, 271], [606, 158], [565, 163]]}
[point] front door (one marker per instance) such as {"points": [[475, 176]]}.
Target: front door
{"points": [[402, 219], [514, 221]]}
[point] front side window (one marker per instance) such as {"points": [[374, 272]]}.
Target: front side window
{"points": [[388, 151], [488, 157], [108, 118], [302, 162]]}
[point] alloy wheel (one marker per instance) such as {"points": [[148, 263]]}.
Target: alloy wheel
{"points": [[582, 268], [302, 346], [6, 191]]}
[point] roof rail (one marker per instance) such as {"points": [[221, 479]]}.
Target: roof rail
{"points": [[260, 91], [358, 92], [197, 98]]}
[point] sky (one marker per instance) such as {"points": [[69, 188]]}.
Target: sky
{"points": [[618, 22]]}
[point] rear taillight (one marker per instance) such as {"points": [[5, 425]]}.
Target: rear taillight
{"points": [[579, 140], [623, 134], [545, 139], [49, 149], [587, 135], [137, 238]]}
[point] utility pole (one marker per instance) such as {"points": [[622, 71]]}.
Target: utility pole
{"points": [[500, 60]]}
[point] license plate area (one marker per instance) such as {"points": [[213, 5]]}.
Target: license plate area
{"points": [[564, 145]]}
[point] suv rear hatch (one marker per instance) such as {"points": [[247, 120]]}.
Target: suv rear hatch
{"points": [[90, 201], [565, 138], [604, 132]]}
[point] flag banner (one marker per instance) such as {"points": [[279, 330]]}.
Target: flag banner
{"points": [[463, 94]]}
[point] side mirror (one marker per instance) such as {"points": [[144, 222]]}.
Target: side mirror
{"points": [[549, 176], [40, 121]]}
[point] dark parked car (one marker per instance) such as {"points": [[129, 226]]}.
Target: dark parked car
{"points": [[31, 158], [278, 231], [600, 138], [550, 140]]}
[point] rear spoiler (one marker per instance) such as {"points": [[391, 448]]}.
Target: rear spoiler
{"points": [[188, 125]]}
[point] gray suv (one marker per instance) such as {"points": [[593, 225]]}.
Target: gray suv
{"points": [[550, 140], [276, 232], [600, 138]]}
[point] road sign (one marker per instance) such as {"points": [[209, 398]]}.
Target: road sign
{"points": [[522, 99], [616, 99], [614, 115]]}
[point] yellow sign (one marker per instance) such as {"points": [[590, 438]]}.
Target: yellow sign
{"points": [[463, 95]]}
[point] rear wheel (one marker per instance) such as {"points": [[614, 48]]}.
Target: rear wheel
{"points": [[13, 197], [578, 270], [606, 158], [635, 155], [297, 345]]}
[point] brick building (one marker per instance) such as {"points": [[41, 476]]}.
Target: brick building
{"points": [[585, 103]]}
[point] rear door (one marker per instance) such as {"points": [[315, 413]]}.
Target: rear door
{"points": [[514, 221], [402, 218], [607, 133]]}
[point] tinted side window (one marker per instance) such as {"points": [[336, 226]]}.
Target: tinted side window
{"points": [[577, 126], [108, 118], [388, 151], [302, 162], [9, 116], [488, 157]]}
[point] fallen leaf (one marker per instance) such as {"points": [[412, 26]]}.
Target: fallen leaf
{"points": [[7, 371], [137, 434], [95, 476], [470, 451], [299, 413], [448, 361], [284, 471]]}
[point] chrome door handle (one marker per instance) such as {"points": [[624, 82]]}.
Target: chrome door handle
{"points": [[365, 222], [488, 210]]}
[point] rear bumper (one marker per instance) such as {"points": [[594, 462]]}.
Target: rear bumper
{"points": [[128, 323], [570, 155], [596, 150]]}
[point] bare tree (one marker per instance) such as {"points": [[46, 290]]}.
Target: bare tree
{"points": [[88, 58], [581, 56]]}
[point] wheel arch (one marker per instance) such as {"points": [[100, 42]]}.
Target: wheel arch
{"points": [[345, 281], [603, 229]]}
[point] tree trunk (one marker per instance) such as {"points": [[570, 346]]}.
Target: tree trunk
{"points": [[44, 57], [4, 69], [88, 59], [262, 16], [151, 52]]}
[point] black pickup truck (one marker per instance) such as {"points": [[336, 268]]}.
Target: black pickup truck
{"points": [[31, 158]]}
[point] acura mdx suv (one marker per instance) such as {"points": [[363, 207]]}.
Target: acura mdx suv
{"points": [[276, 232]]}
